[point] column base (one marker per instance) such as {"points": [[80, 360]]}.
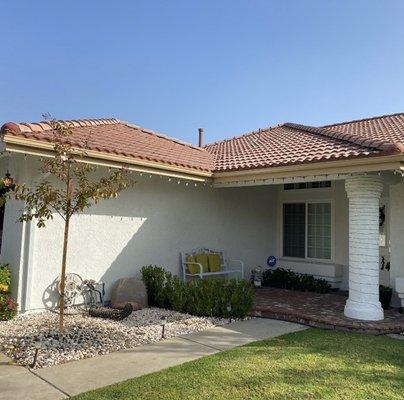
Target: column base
{"points": [[363, 311]]}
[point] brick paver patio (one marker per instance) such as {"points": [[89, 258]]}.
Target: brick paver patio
{"points": [[319, 310]]}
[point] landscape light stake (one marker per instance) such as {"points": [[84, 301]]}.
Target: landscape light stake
{"points": [[37, 347], [229, 311], [163, 319]]}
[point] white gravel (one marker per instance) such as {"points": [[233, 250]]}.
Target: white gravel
{"points": [[86, 336]]}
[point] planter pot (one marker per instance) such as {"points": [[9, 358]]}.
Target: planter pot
{"points": [[385, 297]]}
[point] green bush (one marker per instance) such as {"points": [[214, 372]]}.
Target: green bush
{"points": [[155, 280], [5, 277], [385, 294], [8, 307], [202, 297], [287, 279]]}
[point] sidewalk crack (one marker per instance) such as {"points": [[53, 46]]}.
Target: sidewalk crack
{"points": [[202, 344], [49, 383]]}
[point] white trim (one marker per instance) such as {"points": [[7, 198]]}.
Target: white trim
{"points": [[306, 202]]}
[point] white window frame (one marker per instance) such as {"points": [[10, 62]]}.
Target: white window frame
{"points": [[306, 202]]}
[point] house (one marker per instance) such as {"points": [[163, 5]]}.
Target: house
{"points": [[327, 200]]}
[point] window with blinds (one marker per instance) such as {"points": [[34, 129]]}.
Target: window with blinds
{"points": [[311, 221], [319, 230]]}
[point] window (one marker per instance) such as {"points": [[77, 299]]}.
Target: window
{"points": [[307, 185], [294, 230], [319, 230], [311, 221]]}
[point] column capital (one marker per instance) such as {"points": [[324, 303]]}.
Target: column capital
{"points": [[370, 186]]}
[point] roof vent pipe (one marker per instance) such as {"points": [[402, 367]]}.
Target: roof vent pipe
{"points": [[200, 131]]}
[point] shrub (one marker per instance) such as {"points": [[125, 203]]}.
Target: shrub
{"points": [[385, 293], [287, 279], [154, 278], [5, 278], [8, 307], [202, 297]]}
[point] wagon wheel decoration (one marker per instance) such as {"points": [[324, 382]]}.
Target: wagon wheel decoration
{"points": [[73, 287]]}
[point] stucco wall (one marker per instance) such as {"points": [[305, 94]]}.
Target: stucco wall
{"points": [[152, 223], [157, 219], [15, 242], [396, 233]]}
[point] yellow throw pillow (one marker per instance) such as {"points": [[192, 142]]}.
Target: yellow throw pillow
{"points": [[192, 268], [203, 260], [214, 262]]}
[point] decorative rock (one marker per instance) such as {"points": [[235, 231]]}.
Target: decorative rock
{"points": [[129, 290], [86, 336]]}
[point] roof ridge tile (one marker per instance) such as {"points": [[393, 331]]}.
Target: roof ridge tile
{"points": [[163, 136], [43, 126], [363, 119], [387, 147]]}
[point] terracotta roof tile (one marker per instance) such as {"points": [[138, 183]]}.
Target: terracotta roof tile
{"points": [[114, 136], [285, 144], [289, 143], [388, 129]]}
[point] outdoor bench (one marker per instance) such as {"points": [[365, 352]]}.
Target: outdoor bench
{"points": [[203, 262]]}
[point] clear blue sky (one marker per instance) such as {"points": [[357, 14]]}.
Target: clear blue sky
{"points": [[228, 66]]}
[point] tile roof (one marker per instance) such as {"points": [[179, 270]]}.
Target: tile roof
{"points": [[289, 144], [281, 145], [120, 138], [386, 128]]}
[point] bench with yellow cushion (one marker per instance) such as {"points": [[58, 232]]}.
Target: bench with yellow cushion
{"points": [[212, 263]]}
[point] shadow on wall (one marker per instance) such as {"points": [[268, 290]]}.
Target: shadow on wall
{"points": [[50, 297], [153, 224]]}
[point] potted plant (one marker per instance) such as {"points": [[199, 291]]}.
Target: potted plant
{"points": [[385, 293]]}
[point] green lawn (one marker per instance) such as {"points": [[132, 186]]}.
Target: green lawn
{"points": [[311, 364]]}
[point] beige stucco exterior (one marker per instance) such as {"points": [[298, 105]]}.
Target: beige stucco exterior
{"points": [[163, 215]]}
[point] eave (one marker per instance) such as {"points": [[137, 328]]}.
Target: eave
{"points": [[310, 171], [16, 144]]}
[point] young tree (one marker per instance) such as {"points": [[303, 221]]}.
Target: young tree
{"points": [[72, 191]]}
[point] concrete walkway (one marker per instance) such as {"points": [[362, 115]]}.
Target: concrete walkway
{"points": [[69, 379]]}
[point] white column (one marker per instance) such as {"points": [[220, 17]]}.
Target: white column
{"points": [[364, 194]]}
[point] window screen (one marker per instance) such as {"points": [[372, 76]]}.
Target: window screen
{"points": [[319, 230]]}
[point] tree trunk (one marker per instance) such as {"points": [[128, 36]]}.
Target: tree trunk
{"points": [[64, 256]]}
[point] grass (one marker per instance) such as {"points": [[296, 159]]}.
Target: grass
{"points": [[311, 364]]}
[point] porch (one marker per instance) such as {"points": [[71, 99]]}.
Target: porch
{"points": [[343, 228], [320, 310]]}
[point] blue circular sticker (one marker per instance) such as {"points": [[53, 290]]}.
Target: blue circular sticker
{"points": [[271, 261]]}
